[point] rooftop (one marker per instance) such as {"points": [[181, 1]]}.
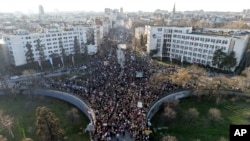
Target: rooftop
{"points": [[1, 41], [234, 35]]}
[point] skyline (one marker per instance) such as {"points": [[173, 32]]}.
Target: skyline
{"points": [[31, 6]]}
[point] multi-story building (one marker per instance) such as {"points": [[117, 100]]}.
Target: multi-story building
{"points": [[184, 44], [98, 34], [4, 56], [121, 10], [50, 41], [108, 11], [41, 10]]}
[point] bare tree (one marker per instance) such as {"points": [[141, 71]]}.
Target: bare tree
{"points": [[238, 24], [169, 138], [2, 138], [214, 115], [73, 115], [27, 139], [158, 79], [6, 122], [222, 139], [244, 81], [214, 86], [196, 69], [169, 113], [192, 114], [47, 125], [28, 72], [173, 103], [181, 77], [135, 43]]}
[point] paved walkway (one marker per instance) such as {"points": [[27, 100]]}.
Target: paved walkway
{"points": [[120, 57], [121, 61], [127, 137]]}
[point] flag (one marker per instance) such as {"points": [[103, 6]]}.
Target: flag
{"points": [[182, 58], [170, 58], [106, 63], [139, 104], [89, 111], [51, 61], [62, 60], [39, 63], [73, 60]]}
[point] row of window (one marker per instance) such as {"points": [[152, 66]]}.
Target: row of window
{"points": [[50, 35], [53, 39], [167, 35], [195, 55], [53, 47], [205, 47], [169, 30], [202, 39], [59, 34], [56, 51], [191, 59], [190, 49], [191, 53]]}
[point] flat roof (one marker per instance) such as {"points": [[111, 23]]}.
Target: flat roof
{"points": [[1, 41], [219, 35]]}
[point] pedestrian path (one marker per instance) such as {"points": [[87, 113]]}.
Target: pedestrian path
{"points": [[120, 57], [127, 137]]}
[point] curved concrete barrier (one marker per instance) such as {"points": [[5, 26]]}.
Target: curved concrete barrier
{"points": [[73, 99], [155, 106]]}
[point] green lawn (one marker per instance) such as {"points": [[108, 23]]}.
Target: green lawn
{"points": [[237, 112], [23, 108]]}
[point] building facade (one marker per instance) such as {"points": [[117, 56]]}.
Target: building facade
{"points": [[4, 57], [182, 43], [41, 10], [50, 41]]}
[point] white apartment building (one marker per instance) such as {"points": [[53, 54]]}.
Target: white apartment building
{"points": [[16, 44], [98, 34], [4, 55], [181, 42]]}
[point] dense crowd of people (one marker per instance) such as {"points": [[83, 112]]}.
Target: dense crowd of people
{"points": [[119, 97], [112, 87], [117, 89]]}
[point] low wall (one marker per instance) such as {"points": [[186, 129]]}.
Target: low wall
{"points": [[154, 108], [68, 98], [74, 100]]}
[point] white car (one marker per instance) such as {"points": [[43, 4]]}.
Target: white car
{"points": [[14, 77]]}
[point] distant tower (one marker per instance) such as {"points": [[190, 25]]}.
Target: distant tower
{"points": [[174, 9], [41, 11], [121, 10]]}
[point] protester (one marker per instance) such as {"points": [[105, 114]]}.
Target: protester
{"points": [[114, 92]]}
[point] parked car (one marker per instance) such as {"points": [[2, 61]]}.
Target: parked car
{"points": [[14, 77]]}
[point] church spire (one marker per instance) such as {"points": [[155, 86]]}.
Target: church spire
{"points": [[174, 9]]}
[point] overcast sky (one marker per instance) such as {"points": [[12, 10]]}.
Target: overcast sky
{"points": [[26, 6]]}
